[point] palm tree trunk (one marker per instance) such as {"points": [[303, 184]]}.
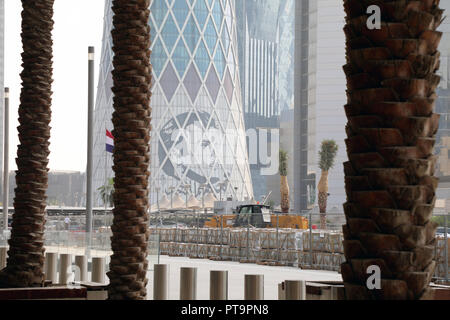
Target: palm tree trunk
{"points": [[284, 188], [390, 183], [322, 199], [131, 119], [26, 246]]}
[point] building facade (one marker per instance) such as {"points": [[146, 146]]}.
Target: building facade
{"points": [[266, 46], [65, 188], [198, 133], [2, 83], [443, 108], [320, 98]]}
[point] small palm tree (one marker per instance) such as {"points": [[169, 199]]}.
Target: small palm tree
{"points": [[26, 246], [107, 192], [327, 155], [131, 118], [284, 185]]}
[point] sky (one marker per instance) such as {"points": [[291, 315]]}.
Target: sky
{"points": [[78, 24]]}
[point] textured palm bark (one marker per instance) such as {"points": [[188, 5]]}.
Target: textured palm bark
{"points": [[322, 188], [131, 119], [26, 246], [390, 183], [284, 188]]}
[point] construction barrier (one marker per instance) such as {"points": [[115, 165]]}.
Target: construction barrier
{"points": [[289, 247]]}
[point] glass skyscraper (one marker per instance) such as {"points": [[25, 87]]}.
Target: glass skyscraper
{"points": [[2, 80], [198, 133], [266, 47], [443, 108], [320, 97]]}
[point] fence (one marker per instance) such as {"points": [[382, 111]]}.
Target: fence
{"points": [[313, 248], [67, 237]]}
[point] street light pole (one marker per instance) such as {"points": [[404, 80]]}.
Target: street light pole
{"points": [[90, 145], [222, 185], [6, 162], [187, 187], [203, 187], [157, 203], [176, 216], [171, 197]]}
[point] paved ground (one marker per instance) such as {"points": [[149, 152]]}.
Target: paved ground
{"points": [[236, 272]]}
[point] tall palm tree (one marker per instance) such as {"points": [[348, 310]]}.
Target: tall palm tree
{"points": [[284, 185], [390, 183], [327, 156], [26, 246], [131, 119]]}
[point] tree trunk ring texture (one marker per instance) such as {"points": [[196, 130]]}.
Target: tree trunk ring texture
{"points": [[389, 178], [26, 246], [131, 119]]}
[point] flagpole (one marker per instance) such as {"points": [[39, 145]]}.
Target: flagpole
{"points": [[6, 162], [106, 180], [89, 191]]}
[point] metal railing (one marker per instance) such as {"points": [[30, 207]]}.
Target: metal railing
{"points": [[68, 236]]}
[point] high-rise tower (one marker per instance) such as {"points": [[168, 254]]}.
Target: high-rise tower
{"points": [[2, 82], [266, 40], [198, 132], [320, 96]]}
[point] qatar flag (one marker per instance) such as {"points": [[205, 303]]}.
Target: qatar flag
{"points": [[109, 142]]}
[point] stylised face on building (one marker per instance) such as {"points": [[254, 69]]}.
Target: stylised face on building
{"points": [[194, 152]]}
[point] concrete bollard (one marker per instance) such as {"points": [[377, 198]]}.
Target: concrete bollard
{"points": [[254, 287], [188, 284], [282, 291], [161, 282], [82, 264], [218, 286], [3, 252], [51, 270], [335, 293], [295, 290], [98, 270], [65, 268]]}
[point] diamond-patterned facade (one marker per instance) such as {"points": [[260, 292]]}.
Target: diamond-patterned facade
{"points": [[217, 13], [169, 82], [159, 11], [210, 35], [170, 32], [202, 58], [201, 12], [213, 84], [219, 61], [192, 82], [180, 10], [195, 100], [226, 40], [191, 34], [228, 85], [181, 58], [158, 56]]}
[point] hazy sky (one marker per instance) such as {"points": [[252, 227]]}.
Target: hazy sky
{"points": [[78, 24]]}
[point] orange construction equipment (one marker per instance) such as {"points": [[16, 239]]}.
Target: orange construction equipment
{"points": [[258, 216]]}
